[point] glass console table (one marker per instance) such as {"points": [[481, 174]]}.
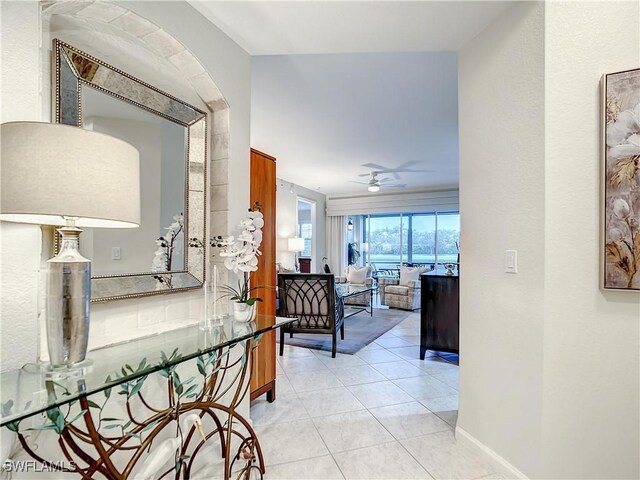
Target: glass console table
{"points": [[199, 383]]}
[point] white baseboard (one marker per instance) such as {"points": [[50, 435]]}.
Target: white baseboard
{"points": [[498, 463]]}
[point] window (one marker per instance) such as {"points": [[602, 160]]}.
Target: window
{"points": [[413, 238], [423, 239], [448, 237], [305, 225], [384, 240]]}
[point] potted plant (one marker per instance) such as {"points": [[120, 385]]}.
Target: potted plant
{"points": [[241, 257]]}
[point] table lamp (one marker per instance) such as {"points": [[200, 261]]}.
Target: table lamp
{"points": [[296, 245], [55, 174]]}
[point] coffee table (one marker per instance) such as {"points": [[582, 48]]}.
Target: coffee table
{"points": [[346, 290]]}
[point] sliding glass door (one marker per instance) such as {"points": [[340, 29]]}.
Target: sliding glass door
{"points": [[412, 238]]}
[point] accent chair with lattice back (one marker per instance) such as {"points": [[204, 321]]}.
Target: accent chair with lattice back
{"points": [[311, 297]]}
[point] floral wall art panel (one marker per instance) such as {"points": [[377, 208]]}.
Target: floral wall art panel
{"points": [[622, 180]]}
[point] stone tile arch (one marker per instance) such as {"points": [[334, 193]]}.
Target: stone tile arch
{"points": [[156, 39]]}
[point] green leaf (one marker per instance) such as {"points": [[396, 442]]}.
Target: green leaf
{"points": [[53, 414], [110, 427], [13, 426], [59, 424], [126, 425], [150, 426], [109, 419], [6, 407], [136, 388], [190, 389], [92, 404], [189, 380], [128, 367], [47, 426], [164, 372], [77, 416], [107, 392], [142, 364]]}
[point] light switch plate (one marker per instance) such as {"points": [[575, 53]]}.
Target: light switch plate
{"points": [[511, 261], [115, 253]]}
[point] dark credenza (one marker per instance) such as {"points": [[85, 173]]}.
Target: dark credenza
{"points": [[305, 264], [439, 312]]}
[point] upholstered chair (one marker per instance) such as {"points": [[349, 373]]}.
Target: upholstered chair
{"points": [[311, 297], [403, 292], [357, 276]]}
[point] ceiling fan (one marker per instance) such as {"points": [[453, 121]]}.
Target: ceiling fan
{"points": [[404, 168], [374, 184]]}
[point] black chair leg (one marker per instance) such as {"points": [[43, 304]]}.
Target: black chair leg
{"points": [[333, 344], [290, 334], [281, 341], [342, 332]]}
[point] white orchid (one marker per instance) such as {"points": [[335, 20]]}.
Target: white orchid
{"points": [[623, 142], [166, 245], [241, 254]]}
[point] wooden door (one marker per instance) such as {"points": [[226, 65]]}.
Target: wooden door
{"points": [[263, 191]]}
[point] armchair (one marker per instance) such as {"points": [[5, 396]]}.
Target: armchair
{"points": [[311, 297], [402, 292], [357, 276]]}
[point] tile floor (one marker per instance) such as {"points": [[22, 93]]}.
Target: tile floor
{"points": [[379, 414]]}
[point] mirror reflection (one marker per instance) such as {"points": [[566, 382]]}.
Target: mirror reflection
{"points": [[158, 245]]}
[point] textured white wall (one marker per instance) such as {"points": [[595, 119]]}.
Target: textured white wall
{"points": [[549, 363], [20, 244], [501, 118], [22, 69], [591, 401], [230, 67]]}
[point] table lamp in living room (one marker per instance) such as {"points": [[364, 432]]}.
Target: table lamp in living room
{"points": [[296, 245], [64, 175]]}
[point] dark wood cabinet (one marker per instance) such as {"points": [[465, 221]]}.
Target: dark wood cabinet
{"points": [[305, 264], [263, 191], [439, 312]]}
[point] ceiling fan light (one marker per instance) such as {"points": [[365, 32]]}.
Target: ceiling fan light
{"points": [[373, 188]]}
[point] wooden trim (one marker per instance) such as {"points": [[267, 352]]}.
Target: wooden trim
{"points": [[269, 389], [262, 154]]}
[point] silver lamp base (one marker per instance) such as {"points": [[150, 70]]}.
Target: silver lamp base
{"points": [[68, 294]]}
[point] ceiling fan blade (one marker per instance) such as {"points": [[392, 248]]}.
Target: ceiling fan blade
{"points": [[374, 166], [385, 179], [393, 185], [361, 183]]}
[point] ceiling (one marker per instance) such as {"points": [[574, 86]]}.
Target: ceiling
{"points": [[325, 117], [337, 86], [304, 27]]}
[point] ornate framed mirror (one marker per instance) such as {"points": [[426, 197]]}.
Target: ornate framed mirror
{"points": [[165, 254]]}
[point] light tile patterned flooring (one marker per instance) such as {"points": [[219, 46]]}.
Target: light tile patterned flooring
{"points": [[379, 414]]}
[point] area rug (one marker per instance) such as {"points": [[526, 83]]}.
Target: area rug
{"points": [[359, 331]]}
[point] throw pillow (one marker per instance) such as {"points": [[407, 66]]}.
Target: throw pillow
{"points": [[408, 274], [356, 274]]}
